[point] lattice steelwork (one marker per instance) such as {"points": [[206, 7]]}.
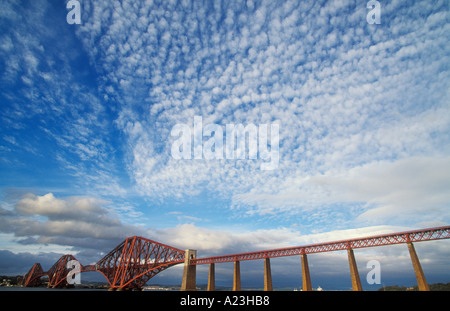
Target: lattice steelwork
{"points": [[379, 240], [32, 277], [58, 272], [136, 260]]}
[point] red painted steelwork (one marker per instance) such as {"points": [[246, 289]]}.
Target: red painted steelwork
{"points": [[56, 274], [378, 240], [136, 260], [128, 266], [32, 277]]}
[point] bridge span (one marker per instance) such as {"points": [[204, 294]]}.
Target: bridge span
{"points": [[136, 260]]}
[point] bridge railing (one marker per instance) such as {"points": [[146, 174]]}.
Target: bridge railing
{"points": [[406, 237], [134, 261], [371, 241]]}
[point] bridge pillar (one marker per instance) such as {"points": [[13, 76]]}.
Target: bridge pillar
{"points": [[237, 276], [306, 278], [211, 278], [267, 275], [356, 282], [420, 276], [190, 271]]}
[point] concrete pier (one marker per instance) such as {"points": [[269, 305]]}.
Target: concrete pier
{"points": [[190, 271], [211, 278], [356, 282], [237, 276], [267, 275], [306, 278], [420, 276]]}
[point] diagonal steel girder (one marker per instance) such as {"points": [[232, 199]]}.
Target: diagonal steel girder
{"points": [[136, 260]]}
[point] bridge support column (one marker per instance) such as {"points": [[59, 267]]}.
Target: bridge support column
{"points": [[306, 278], [211, 278], [190, 271], [267, 275], [356, 282], [420, 276], [237, 276]]}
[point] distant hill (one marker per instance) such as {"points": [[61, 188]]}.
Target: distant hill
{"points": [[433, 287]]}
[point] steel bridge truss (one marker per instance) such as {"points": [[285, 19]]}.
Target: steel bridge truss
{"points": [[128, 266], [378, 240], [136, 260], [57, 274]]}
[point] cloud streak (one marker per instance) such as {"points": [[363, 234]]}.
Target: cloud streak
{"points": [[87, 112], [346, 94]]}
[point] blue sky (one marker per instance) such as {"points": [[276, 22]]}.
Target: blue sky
{"points": [[87, 111]]}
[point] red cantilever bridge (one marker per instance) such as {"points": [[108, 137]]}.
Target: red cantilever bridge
{"points": [[136, 260], [128, 266]]}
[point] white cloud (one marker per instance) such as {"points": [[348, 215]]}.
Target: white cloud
{"points": [[359, 107], [81, 222], [408, 189], [329, 270], [363, 113], [212, 242], [342, 98], [411, 190], [53, 208], [50, 103]]}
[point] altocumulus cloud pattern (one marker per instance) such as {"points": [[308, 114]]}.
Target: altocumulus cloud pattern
{"points": [[87, 111]]}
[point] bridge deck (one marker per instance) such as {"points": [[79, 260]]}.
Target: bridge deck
{"points": [[429, 234]]}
